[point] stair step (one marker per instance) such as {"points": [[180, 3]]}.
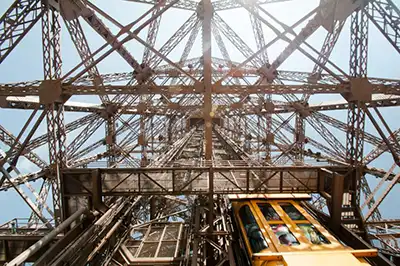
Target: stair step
{"points": [[351, 221], [358, 231], [347, 209]]}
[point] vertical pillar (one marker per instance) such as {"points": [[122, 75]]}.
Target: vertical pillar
{"points": [[51, 32], [247, 136], [207, 68], [110, 140], [240, 129], [210, 218], [299, 138], [268, 129], [142, 140], [356, 114], [259, 138], [196, 234], [169, 129], [336, 201], [152, 136], [245, 129], [97, 196], [153, 206]]}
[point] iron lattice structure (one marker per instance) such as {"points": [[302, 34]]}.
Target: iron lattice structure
{"points": [[205, 112]]}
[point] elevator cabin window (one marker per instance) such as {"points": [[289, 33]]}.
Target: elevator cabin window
{"points": [[313, 235], [283, 234], [278, 226], [269, 212], [292, 212], [253, 232]]}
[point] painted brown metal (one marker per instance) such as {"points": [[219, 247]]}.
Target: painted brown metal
{"points": [[267, 138]]}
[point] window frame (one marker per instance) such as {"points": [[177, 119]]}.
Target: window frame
{"points": [[309, 220], [293, 227], [285, 220], [237, 209], [312, 225], [138, 244]]}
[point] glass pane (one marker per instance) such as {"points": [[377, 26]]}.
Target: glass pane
{"points": [[313, 234], [293, 213], [167, 249], [132, 250], [148, 250], [254, 235], [284, 236], [155, 234], [172, 232], [138, 234], [269, 212], [131, 243]]}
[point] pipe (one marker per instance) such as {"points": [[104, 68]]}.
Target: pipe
{"points": [[45, 240], [157, 219], [104, 240], [112, 230], [6, 174], [80, 242]]}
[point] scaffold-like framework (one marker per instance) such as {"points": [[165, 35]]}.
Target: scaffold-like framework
{"points": [[206, 98]]}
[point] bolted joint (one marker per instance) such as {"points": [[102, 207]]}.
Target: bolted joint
{"points": [[302, 109], [360, 90], [268, 73], [174, 73], [337, 10], [269, 107], [72, 9], [144, 73], [109, 111], [50, 91], [301, 138], [200, 10], [110, 139], [142, 107], [314, 78], [3, 102], [142, 140], [236, 106], [235, 73], [269, 139], [174, 106]]}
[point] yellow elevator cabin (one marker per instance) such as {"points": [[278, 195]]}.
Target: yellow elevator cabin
{"points": [[277, 231]]}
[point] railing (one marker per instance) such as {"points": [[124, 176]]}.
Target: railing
{"points": [[22, 226], [207, 163], [211, 163], [218, 179]]}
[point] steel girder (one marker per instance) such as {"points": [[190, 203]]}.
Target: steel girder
{"points": [[9, 139], [218, 5], [194, 88], [16, 23]]}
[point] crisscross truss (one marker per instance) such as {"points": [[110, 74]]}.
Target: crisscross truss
{"points": [[215, 96]]}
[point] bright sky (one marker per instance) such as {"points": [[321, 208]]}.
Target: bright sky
{"points": [[25, 63]]}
